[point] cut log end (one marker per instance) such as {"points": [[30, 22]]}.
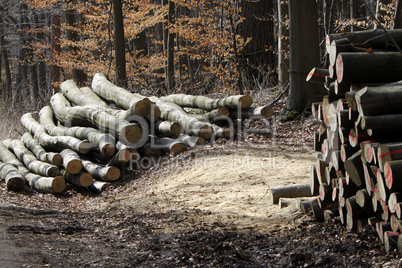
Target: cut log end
{"points": [[113, 173], [16, 183], [176, 129], [56, 159], [74, 166], [58, 184], [107, 150], [223, 111], [84, 147], [123, 156], [52, 171], [177, 148], [131, 133], [205, 132], [245, 102], [85, 179]]}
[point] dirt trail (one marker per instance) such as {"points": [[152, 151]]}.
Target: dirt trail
{"points": [[230, 185]]}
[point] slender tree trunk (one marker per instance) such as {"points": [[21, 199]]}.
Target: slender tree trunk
{"points": [[304, 55], [398, 15], [283, 45], [70, 16], [42, 82], [170, 81], [5, 59], [119, 43], [55, 45]]}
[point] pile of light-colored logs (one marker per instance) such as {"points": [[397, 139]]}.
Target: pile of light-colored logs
{"points": [[358, 174], [87, 136]]}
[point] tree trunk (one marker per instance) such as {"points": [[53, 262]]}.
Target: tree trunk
{"points": [[170, 81], [388, 152], [54, 143], [29, 159], [40, 153], [304, 55], [283, 44], [72, 35], [398, 15], [167, 144], [119, 43], [89, 116], [55, 70]]}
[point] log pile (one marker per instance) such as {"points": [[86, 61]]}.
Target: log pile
{"points": [[88, 136], [358, 173]]}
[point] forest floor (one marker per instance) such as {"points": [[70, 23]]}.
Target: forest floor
{"points": [[207, 207]]}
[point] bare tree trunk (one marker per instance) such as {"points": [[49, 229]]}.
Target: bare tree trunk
{"points": [[283, 45], [119, 43], [78, 75], [398, 15], [55, 44], [170, 81], [304, 55]]}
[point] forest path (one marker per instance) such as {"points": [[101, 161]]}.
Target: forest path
{"points": [[228, 185]]}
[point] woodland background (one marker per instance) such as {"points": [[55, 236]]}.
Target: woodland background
{"points": [[159, 47]]}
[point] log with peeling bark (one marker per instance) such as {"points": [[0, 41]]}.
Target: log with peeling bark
{"points": [[102, 141], [30, 160], [34, 146], [71, 161], [209, 104], [81, 179], [99, 172], [37, 182], [14, 179], [89, 116], [134, 103], [53, 142]]}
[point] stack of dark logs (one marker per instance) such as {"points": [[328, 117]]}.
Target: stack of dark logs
{"points": [[87, 136], [358, 173]]}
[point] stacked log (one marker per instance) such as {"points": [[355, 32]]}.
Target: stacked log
{"points": [[358, 143], [88, 136]]}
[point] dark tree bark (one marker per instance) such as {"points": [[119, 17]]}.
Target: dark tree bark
{"points": [[170, 81], [55, 46], [304, 55], [119, 43], [4, 56], [283, 45], [259, 26], [79, 76], [398, 15]]}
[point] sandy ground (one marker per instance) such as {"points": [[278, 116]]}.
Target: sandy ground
{"points": [[231, 185]]}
